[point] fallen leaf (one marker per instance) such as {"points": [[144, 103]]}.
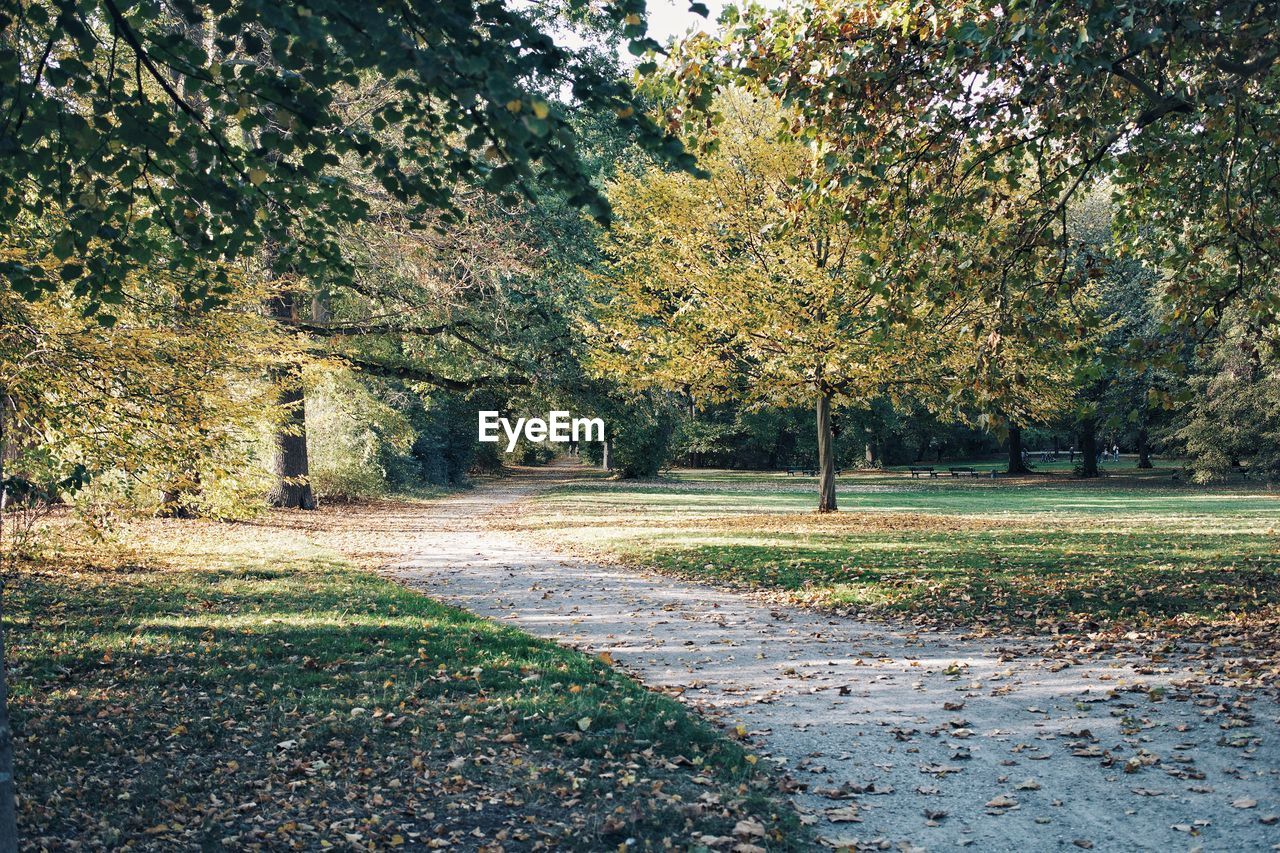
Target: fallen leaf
{"points": [[845, 814]]}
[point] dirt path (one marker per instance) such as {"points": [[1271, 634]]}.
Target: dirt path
{"points": [[893, 736]]}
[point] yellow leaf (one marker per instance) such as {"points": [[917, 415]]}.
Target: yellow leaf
{"points": [[584, 723], [540, 109], [514, 105], [257, 176]]}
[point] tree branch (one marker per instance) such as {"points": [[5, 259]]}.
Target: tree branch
{"points": [[414, 374]]}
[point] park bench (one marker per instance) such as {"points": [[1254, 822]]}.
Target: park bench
{"points": [[916, 472], [963, 472]]}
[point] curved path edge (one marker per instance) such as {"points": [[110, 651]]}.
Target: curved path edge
{"points": [[919, 740]]}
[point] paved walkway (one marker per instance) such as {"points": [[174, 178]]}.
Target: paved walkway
{"points": [[890, 735]]}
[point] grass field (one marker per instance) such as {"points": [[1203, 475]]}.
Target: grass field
{"points": [[1125, 551], [242, 686]]}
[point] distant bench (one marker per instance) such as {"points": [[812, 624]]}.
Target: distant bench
{"points": [[963, 472], [916, 472]]}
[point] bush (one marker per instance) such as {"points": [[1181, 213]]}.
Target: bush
{"points": [[640, 433], [1235, 414], [349, 436]]}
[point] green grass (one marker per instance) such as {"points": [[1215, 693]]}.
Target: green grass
{"points": [[1124, 551], [242, 682]]}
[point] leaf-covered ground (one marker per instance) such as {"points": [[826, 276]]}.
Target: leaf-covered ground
{"points": [[247, 687], [1045, 554]]}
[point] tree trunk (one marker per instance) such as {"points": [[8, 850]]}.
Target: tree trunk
{"points": [[8, 784], [604, 455], [1088, 448], [1016, 465], [171, 505], [293, 484], [1144, 449], [869, 456], [826, 456], [320, 311]]}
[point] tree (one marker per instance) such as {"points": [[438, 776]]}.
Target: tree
{"points": [[742, 286], [201, 132], [1233, 416], [1128, 363], [1172, 101], [948, 216]]}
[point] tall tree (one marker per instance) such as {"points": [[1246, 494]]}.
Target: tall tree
{"points": [[292, 488], [742, 285]]}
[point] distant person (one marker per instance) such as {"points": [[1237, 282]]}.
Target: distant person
{"points": [[1115, 453]]}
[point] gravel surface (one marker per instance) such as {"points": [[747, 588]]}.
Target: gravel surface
{"points": [[891, 738]]}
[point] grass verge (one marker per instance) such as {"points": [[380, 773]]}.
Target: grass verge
{"points": [[1046, 555], [246, 686]]}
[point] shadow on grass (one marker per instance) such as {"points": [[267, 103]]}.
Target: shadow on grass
{"points": [[180, 707]]}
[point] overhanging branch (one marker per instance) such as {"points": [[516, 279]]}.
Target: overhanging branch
{"points": [[416, 374]]}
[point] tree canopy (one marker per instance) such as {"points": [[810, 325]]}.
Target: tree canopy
{"points": [[1172, 102], [192, 134]]}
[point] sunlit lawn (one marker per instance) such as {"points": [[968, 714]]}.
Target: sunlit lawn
{"points": [[1137, 549]]}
